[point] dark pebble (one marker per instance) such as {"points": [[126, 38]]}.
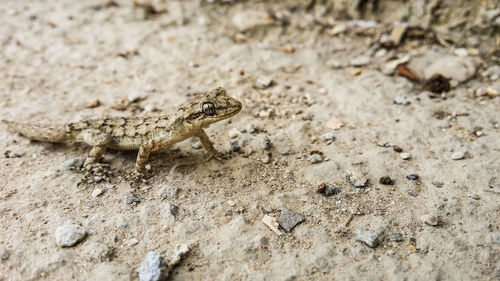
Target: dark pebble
{"points": [[321, 188], [396, 238], [397, 148], [289, 219], [437, 184], [386, 180], [331, 190], [412, 177]]}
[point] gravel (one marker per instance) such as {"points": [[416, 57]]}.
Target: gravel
{"points": [[69, 235], [367, 237], [153, 268], [289, 219]]}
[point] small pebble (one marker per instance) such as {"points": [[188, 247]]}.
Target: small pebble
{"points": [[133, 97], [321, 188], [234, 133], [75, 162], [367, 237], [289, 219], [405, 155], [322, 91], [358, 180], [4, 254], [153, 268], [475, 197], [430, 220], [265, 82], [231, 203], [266, 159], [328, 137], [458, 155], [396, 237], [315, 158], [401, 100], [331, 190], [412, 177], [437, 184], [93, 103], [250, 129], [196, 145], [360, 61], [397, 149], [272, 223], [385, 180], [265, 142], [96, 192], [130, 199], [234, 146], [69, 235]]}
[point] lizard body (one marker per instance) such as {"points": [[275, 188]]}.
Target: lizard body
{"points": [[146, 134]]}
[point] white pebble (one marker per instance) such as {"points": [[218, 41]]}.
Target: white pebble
{"points": [[233, 133], [69, 235], [458, 155], [96, 192], [133, 97], [315, 158], [405, 155]]}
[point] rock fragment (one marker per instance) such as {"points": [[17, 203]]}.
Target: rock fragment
{"points": [[401, 100], [405, 156], [458, 155], [385, 180], [4, 254], [97, 192], [130, 199], [412, 177], [69, 235], [289, 219], [315, 158], [367, 237], [358, 180], [153, 268], [272, 223], [430, 220]]}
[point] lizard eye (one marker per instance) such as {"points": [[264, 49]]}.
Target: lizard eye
{"points": [[208, 108]]}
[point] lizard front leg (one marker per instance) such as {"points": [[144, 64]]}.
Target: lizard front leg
{"points": [[205, 141], [146, 149], [99, 142]]}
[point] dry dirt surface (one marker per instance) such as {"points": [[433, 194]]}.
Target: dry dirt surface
{"points": [[373, 176]]}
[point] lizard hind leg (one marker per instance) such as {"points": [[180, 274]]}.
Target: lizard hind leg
{"points": [[99, 142]]}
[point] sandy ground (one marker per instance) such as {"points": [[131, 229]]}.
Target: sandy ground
{"points": [[59, 56]]}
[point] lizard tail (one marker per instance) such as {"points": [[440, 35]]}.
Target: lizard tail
{"points": [[38, 132]]}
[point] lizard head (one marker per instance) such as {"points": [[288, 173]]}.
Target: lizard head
{"points": [[206, 108]]}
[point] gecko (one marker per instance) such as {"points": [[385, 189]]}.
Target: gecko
{"points": [[145, 134]]}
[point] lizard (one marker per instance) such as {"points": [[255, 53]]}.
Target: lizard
{"points": [[145, 134]]}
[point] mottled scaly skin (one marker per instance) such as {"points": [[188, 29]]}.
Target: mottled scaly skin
{"points": [[146, 134]]}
